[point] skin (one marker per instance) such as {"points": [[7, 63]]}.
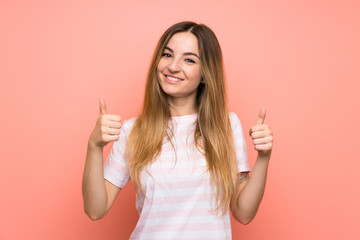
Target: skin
{"points": [[178, 61], [251, 191], [99, 194]]}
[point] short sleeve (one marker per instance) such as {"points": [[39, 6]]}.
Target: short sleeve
{"points": [[116, 168], [239, 143]]}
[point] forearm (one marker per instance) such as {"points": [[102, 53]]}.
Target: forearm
{"points": [[93, 186], [251, 195]]}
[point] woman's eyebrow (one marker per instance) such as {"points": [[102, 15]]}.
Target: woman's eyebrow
{"points": [[187, 53]]}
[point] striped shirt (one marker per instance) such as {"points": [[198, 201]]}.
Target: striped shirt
{"points": [[180, 199]]}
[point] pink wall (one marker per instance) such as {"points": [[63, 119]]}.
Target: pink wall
{"points": [[300, 59]]}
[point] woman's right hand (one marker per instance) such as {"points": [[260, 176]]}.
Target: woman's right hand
{"points": [[107, 128]]}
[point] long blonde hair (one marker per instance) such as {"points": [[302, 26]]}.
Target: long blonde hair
{"points": [[213, 128]]}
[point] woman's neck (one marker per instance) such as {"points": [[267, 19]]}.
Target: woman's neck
{"points": [[182, 106]]}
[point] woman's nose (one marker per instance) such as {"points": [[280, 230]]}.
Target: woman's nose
{"points": [[174, 65]]}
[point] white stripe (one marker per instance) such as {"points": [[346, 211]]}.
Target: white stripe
{"points": [[185, 235], [180, 220], [179, 192], [166, 207], [190, 178]]}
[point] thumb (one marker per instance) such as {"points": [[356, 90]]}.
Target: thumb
{"points": [[261, 116], [102, 106]]}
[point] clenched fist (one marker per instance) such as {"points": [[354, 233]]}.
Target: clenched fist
{"points": [[107, 128], [262, 135]]}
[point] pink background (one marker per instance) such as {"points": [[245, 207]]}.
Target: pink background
{"points": [[299, 59]]}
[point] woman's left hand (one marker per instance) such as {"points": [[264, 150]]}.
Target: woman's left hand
{"points": [[262, 135]]}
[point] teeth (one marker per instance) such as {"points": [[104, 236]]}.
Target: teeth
{"points": [[173, 79]]}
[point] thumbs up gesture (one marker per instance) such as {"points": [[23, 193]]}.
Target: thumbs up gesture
{"points": [[262, 135], [107, 128]]}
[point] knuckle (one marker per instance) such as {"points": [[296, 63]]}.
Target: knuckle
{"points": [[105, 119]]}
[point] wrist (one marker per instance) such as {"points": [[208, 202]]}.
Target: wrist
{"points": [[92, 146], [264, 156]]}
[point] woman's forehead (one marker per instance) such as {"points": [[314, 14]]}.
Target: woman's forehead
{"points": [[183, 42]]}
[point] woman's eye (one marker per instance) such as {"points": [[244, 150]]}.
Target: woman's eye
{"points": [[166, 55], [189, 60]]}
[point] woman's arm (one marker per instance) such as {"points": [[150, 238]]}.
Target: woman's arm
{"points": [[99, 194], [250, 192], [251, 189]]}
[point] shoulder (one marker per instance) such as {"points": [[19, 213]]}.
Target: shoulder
{"points": [[234, 120], [233, 116], [128, 124]]}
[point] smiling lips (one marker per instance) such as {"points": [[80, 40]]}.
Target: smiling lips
{"points": [[172, 79]]}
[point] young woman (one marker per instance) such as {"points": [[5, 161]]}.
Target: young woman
{"points": [[185, 153]]}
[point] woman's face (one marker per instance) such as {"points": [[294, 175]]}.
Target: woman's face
{"points": [[179, 67]]}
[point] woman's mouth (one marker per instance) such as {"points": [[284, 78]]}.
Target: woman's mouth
{"points": [[172, 79]]}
